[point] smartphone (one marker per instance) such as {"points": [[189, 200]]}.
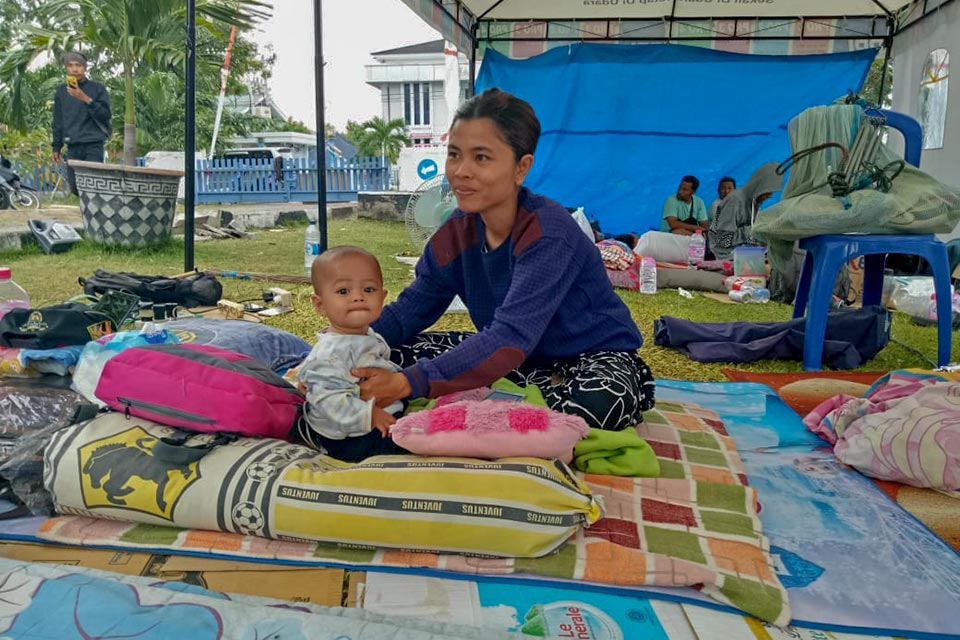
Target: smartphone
{"points": [[505, 396], [72, 82]]}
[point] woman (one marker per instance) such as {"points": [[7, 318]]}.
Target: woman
{"points": [[534, 285], [733, 224]]}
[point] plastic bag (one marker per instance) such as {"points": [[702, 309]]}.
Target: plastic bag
{"points": [[912, 294], [583, 223], [96, 354], [31, 411]]}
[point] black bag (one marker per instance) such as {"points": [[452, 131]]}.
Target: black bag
{"points": [[54, 326], [201, 289]]}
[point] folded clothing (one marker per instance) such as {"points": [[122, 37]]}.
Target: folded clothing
{"points": [[54, 361], [615, 453]]}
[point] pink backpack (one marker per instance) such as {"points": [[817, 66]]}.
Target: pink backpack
{"points": [[202, 388]]}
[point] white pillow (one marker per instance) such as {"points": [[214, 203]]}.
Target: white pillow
{"points": [[663, 247]]}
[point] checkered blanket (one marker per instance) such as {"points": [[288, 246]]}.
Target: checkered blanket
{"points": [[696, 525]]}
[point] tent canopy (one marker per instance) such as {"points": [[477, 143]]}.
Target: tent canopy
{"points": [[473, 22], [622, 125]]}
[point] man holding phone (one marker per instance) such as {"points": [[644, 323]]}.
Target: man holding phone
{"points": [[81, 116]]}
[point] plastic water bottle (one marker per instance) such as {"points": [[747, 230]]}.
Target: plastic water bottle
{"points": [[760, 294], [12, 295], [698, 248], [311, 246], [648, 275]]}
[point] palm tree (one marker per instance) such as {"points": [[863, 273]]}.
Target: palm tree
{"points": [[130, 34], [381, 138]]}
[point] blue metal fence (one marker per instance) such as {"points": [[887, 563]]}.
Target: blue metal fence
{"points": [[230, 180], [42, 177]]}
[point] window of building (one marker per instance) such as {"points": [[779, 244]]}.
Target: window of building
{"points": [[416, 103], [426, 103], [407, 111], [933, 98]]}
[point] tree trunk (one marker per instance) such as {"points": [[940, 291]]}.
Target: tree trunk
{"points": [[129, 118], [129, 144]]}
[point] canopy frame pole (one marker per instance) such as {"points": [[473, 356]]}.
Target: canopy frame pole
{"points": [[321, 123], [474, 44], [887, 45], [189, 137]]}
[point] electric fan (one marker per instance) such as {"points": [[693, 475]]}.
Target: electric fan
{"points": [[429, 206]]}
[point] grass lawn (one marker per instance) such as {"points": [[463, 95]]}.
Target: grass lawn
{"points": [[52, 279]]}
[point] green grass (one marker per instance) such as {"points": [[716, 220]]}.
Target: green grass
{"points": [[52, 279]]}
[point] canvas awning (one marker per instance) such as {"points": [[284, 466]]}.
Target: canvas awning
{"points": [[477, 22]]}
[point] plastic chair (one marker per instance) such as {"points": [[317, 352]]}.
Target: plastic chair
{"points": [[825, 255]]}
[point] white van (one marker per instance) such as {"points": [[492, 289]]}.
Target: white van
{"points": [[259, 152]]}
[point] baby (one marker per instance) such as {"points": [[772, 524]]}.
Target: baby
{"points": [[348, 290]]}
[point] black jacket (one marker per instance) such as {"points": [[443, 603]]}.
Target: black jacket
{"points": [[75, 122]]}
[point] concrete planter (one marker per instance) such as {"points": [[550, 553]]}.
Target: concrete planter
{"points": [[130, 206], [383, 205]]}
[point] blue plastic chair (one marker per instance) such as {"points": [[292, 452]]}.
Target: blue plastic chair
{"points": [[826, 254]]}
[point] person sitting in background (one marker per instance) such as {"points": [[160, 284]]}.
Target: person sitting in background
{"points": [[734, 222], [724, 187], [629, 239], [684, 212]]}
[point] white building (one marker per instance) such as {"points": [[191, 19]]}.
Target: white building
{"points": [[410, 80], [256, 103]]}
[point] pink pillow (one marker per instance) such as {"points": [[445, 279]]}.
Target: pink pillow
{"points": [[490, 429]]}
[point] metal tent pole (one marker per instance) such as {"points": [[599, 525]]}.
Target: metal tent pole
{"points": [[472, 82], [887, 45], [189, 136], [321, 124]]}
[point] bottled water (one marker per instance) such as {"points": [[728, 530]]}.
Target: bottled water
{"points": [[12, 295], [311, 246], [750, 294], [698, 248], [648, 275]]}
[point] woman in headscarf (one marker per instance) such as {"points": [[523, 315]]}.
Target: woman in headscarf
{"points": [[736, 213]]}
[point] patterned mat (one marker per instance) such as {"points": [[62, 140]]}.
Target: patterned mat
{"points": [[696, 525], [804, 391]]}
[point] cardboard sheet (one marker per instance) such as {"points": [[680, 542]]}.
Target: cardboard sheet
{"points": [[318, 585]]}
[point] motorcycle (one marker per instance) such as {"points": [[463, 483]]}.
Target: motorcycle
{"points": [[13, 194]]}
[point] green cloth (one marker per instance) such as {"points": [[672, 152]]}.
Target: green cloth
{"points": [[615, 453]]}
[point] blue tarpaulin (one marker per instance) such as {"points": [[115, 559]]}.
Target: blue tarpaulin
{"points": [[622, 124]]}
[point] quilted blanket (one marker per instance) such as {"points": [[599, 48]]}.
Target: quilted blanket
{"points": [[905, 428], [696, 526]]}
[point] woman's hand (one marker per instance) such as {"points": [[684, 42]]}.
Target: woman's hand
{"points": [[382, 385]]}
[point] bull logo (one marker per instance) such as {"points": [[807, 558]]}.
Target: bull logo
{"points": [[121, 471]]}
